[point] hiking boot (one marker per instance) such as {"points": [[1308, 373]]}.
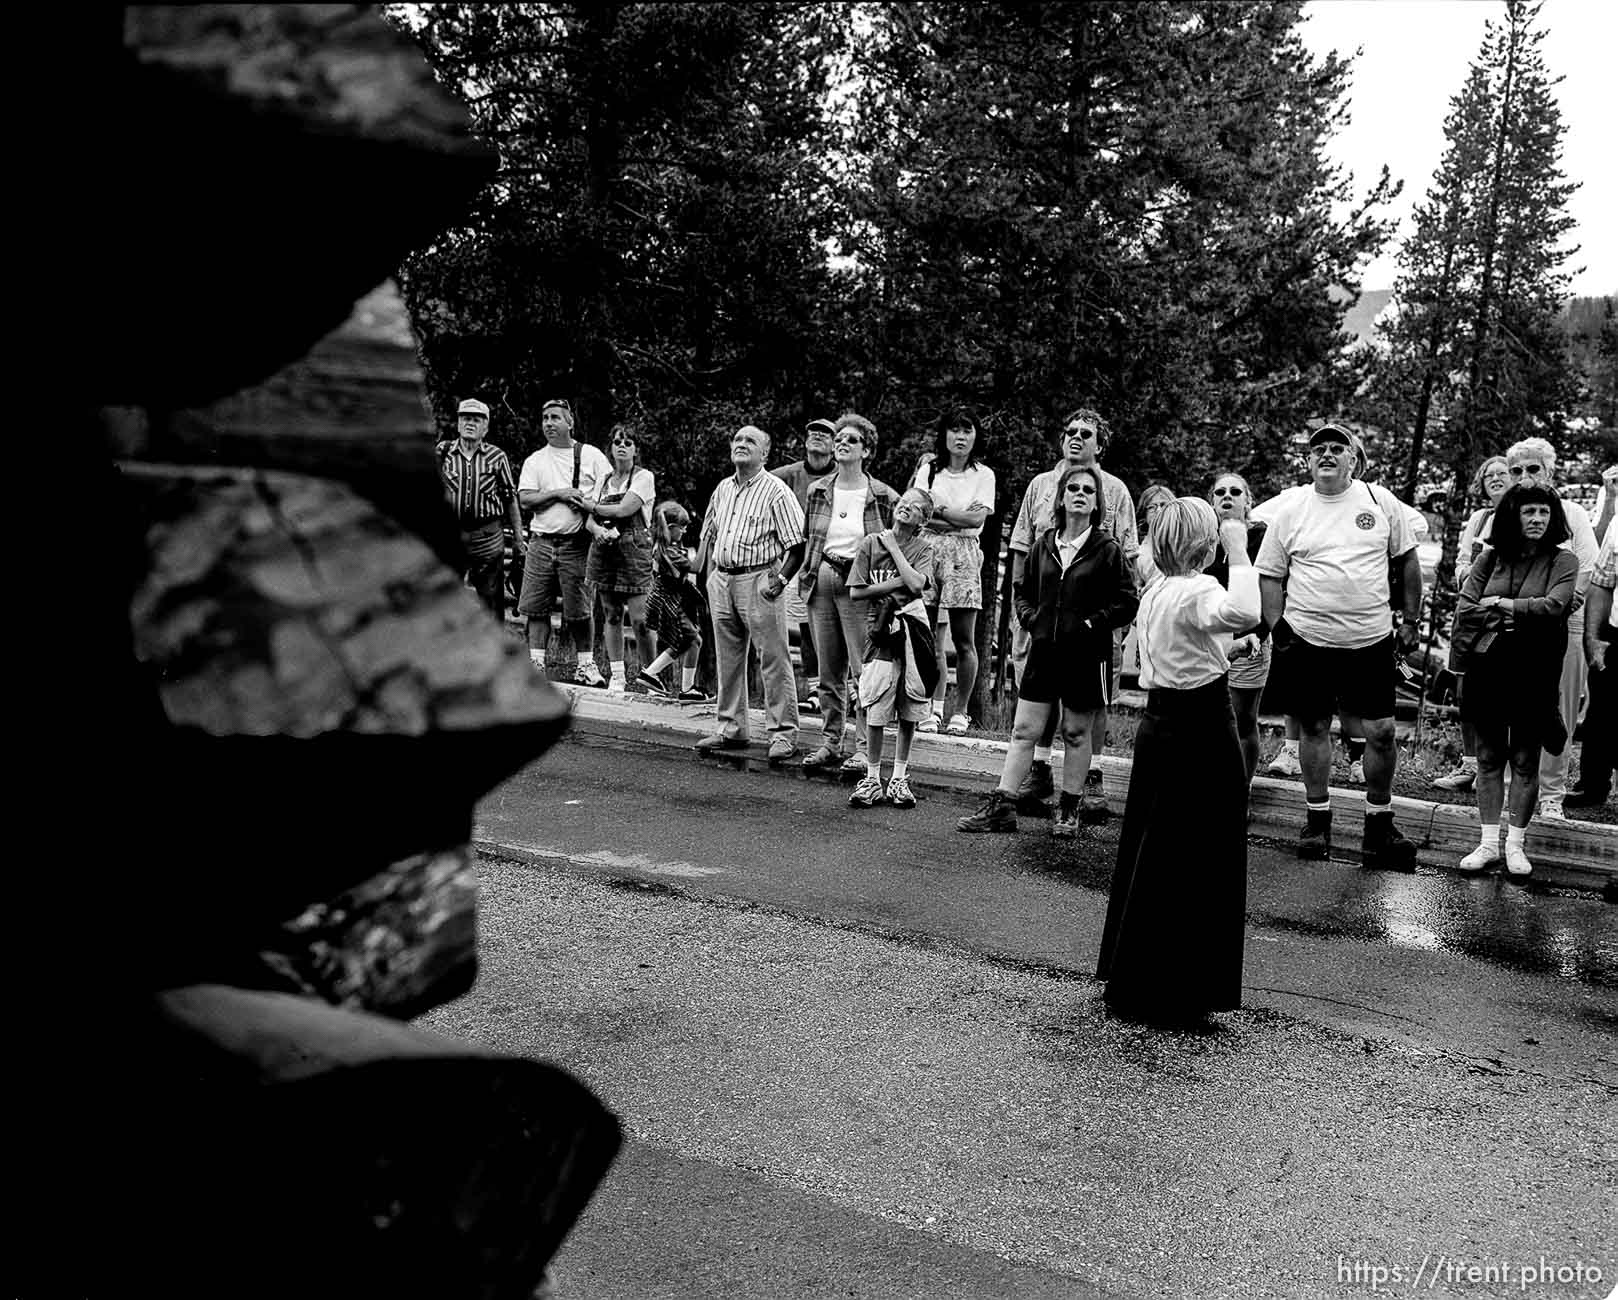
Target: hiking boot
{"points": [[997, 812], [899, 793], [1093, 802], [1314, 845], [1037, 787], [1068, 817], [1462, 778], [868, 793], [1385, 848]]}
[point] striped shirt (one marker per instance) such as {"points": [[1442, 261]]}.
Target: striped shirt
{"points": [[879, 502], [753, 522], [480, 487]]}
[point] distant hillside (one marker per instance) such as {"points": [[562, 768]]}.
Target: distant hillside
{"points": [[1361, 315]]}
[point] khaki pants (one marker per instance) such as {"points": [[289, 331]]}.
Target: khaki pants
{"points": [[742, 616]]}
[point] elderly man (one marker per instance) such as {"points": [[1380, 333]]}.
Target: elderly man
{"points": [[482, 492], [1084, 436], [1335, 650], [816, 463], [752, 535], [1533, 460], [557, 482]]}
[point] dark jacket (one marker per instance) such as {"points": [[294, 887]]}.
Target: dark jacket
{"points": [[1077, 609]]}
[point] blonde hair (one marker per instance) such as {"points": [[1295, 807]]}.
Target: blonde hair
{"points": [[1184, 534]]}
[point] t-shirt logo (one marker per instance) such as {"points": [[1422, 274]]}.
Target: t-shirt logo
{"points": [[1365, 521]]}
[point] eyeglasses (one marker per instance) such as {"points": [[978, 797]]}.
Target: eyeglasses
{"points": [[1084, 489], [1227, 492], [1517, 471], [1329, 449]]}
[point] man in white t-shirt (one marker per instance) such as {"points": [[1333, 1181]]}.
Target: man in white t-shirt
{"points": [[1084, 436], [1324, 578], [558, 483]]}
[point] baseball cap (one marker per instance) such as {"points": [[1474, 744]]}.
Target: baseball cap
{"points": [[1329, 432], [471, 406], [820, 426]]}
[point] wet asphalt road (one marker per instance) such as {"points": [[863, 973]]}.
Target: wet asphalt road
{"points": [[861, 1054]]}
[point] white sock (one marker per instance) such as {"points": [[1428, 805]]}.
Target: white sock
{"points": [[537, 658], [1515, 835], [901, 767], [615, 670], [811, 686], [688, 679], [1042, 753], [659, 664], [1291, 747], [1490, 836], [873, 770]]}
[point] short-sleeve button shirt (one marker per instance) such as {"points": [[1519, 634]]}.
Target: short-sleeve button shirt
{"points": [[753, 522]]}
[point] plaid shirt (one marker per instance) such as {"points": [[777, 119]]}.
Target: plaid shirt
{"points": [[879, 502], [479, 487]]}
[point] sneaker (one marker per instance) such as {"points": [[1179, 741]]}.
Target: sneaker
{"points": [[1550, 808], [1068, 820], [853, 764], [653, 685], [868, 793], [1356, 772], [1285, 763], [823, 757], [1093, 803], [1385, 848], [899, 793], [929, 723], [1479, 859], [811, 704], [997, 812], [1462, 778], [958, 725], [1037, 787], [694, 696], [588, 674], [781, 749], [709, 743], [1517, 863]]}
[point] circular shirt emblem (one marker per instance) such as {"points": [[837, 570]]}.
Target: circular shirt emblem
{"points": [[1365, 521]]}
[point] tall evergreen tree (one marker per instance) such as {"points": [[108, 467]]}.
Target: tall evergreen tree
{"points": [[1124, 203], [654, 246], [1481, 282]]}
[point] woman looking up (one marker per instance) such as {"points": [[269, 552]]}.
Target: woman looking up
{"points": [[962, 488]]}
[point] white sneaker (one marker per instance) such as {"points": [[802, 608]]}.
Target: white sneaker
{"points": [[1517, 862], [958, 725], [1479, 859], [1462, 778], [1550, 808], [1356, 772], [588, 674], [1285, 763]]}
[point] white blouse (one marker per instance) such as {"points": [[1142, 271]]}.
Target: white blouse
{"points": [[1184, 626]]}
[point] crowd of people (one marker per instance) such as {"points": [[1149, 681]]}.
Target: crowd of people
{"points": [[1312, 597]]}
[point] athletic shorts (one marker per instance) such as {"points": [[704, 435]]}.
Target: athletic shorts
{"points": [[555, 566], [1312, 682]]}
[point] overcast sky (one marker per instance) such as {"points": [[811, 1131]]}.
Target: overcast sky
{"points": [[1414, 57]]}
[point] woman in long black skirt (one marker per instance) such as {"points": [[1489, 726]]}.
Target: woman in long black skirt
{"points": [[1171, 951]]}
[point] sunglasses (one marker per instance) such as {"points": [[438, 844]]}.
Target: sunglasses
{"points": [[852, 439], [1329, 449], [1083, 489], [1079, 431], [1227, 492], [1517, 471], [623, 442]]}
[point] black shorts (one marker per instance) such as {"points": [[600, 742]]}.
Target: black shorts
{"points": [[1312, 682], [1077, 682]]}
